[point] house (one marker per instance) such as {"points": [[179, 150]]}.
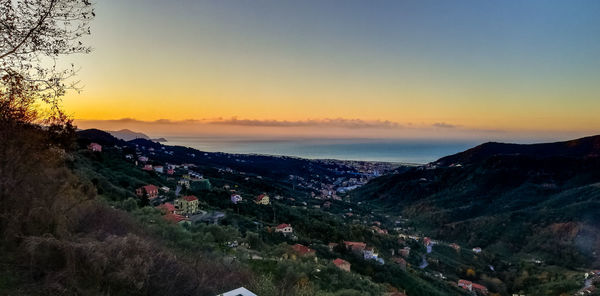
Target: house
{"points": [[184, 183], [148, 191], [480, 289], [170, 171], [378, 230], [467, 285], [342, 264], [167, 208], [193, 176], [95, 147], [404, 252], [284, 228], [147, 167], [158, 169], [165, 189], [477, 250], [238, 292], [355, 246], [303, 250], [175, 218], [235, 198], [187, 205], [262, 199], [143, 159], [426, 241], [369, 253]]}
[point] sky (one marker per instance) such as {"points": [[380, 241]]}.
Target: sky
{"points": [[392, 69]]}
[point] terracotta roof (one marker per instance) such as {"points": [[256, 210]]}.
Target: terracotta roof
{"points": [[302, 250], [479, 287], [260, 197], [150, 188], [190, 198], [282, 226], [355, 244], [169, 207], [174, 218], [339, 262]]}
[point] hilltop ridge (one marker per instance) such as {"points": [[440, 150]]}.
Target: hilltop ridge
{"points": [[578, 148]]}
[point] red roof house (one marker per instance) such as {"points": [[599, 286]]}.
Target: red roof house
{"points": [[355, 246], [284, 228], [467, 285], [303, 250], [167, 208], [426, 241], [95, 147], [190, 198], [342, 264], [480, 288], [175, 218], [149, 191]]}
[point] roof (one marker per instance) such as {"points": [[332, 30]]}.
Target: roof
{"points": [[355, 244], [260, 197], [150, 188], [339, 262], [282, 226], [190, 198], [175, 218], [169, 207], [479, 287], [238, 292], [301, 249]]}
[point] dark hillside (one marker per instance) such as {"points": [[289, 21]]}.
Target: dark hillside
{"points": [[580, 148], [540, 200]]}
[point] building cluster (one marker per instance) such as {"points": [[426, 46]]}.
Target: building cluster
{"points": [[473, 287]]}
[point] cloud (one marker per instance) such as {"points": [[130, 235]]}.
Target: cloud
{"points": [[234, 121], [328, 122], [133, 120], [444, 125]]}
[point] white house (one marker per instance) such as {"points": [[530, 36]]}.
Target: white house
{"points": [[235, 198], [284, 228]]}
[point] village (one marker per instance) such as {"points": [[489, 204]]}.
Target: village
{"points": [[178, 206], [183, 209]]}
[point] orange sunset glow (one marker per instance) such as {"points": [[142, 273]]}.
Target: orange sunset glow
{"points": [[253, 63]]}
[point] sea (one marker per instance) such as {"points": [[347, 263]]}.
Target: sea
{"points": [[383, 150]]}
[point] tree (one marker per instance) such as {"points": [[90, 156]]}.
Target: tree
{"points": [[33, 34]]}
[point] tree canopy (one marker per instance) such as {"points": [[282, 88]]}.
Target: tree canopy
{"points": [[33, 34]]}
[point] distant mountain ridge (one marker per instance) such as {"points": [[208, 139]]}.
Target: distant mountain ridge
{"points": [[128, 135], [578, 148]]}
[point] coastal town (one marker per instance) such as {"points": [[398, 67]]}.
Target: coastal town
{"points": [[177, 205]]}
